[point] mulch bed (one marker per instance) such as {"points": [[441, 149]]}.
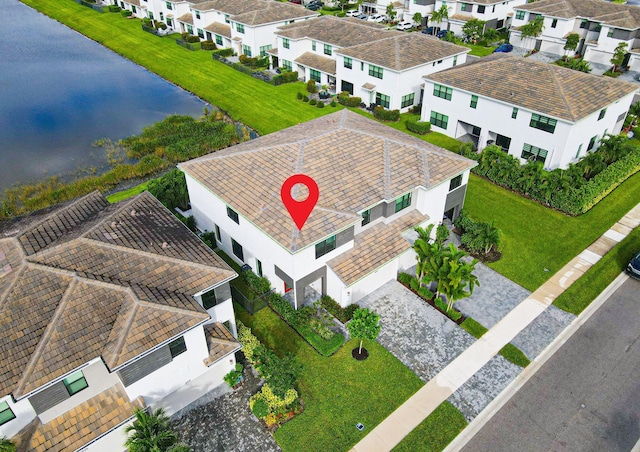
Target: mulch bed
{"points": [[436, 307]]}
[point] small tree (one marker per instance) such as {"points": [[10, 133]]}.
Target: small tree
{"points": [[473, 29], [634, 111], [417, 18], [6, 445], [171, 190], [572, 42], [533, 29], [150, 432], [490, 35], [364, 325], [391, 12], [440, 15], [618, 56], [458, 279]]}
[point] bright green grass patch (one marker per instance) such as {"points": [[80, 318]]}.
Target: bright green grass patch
{"points": [[435, 432], [473, 328], [338, 392], [259, 105], [479, 51], [130, 193], [582, 292], [510, 352]]}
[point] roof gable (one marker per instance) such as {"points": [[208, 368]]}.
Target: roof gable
{"points": [[623, 16]]}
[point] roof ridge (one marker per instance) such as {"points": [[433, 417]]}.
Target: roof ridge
{"points": [[22, 269], [387, 169], [427, 173], [119, 208], [124, 332], [397, 45], [164, 307], [554, 72]]}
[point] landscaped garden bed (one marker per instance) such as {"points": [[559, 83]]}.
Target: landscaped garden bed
{"points": [[410, 282]]}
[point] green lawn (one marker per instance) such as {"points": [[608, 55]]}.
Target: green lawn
{"points": [[435, 432], [124, 194], [479, 51], [510, 352], [338, 392], [257, 104]]}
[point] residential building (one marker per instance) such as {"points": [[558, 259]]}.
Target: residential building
{"points": [[381, 66], [496, 13], [375, 183], [105, 309], [600, 25], [533, 110]]}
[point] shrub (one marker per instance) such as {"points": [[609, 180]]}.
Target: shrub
{"points": [[299, 96], [171, 190], [249, 342], [405, 278], [478, 237], [258, 284], [234, 376], [192, 39], [416, 109], [208, 45], [320, 105], [284, 308], [340, 313], [341, 14], [161, 26], [305, 98], [114, 9], [386, 115], [333, 103], [419, 127], [260, 408], [289, 76], [126, 13], [319, 327], [345, 99], [311, 86], [313, 102], [223, 52]]}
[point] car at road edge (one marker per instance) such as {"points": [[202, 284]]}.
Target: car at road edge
{"points": [[633, 269]]}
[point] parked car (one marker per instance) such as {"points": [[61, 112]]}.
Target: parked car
{"points": [[353, 13], [297, 2], [431, 30], [379, 18], [314, 6], [442, 34], [404, 25], [362, 16], [503, 48], [633, 269]]}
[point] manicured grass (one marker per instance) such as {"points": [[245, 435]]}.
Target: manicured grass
{"points": [[510, 352], [479, 51], [338, 392], [581, 293], [125, 194], [259, 105], [435, 432]]}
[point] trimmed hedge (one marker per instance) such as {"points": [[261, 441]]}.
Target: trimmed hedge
{"points": [[340, 313], [126, 13], [348, 101], [419, 127], [114, 9], [222, 53], [386, 115], [208, 45]]}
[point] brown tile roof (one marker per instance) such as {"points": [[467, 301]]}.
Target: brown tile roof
{"points": [[232, 7], [319, 62], [274, 12], [219, 29], [622, 16], [186, 18], [462, 17], [356, 162], [80, 425], [220, 342], [545, 88], [133, 2], [403, 51], [90, 279], [375, 247], [336, 31]]}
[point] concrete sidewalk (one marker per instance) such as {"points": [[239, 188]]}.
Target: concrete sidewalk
{"points": [[412, 412]]}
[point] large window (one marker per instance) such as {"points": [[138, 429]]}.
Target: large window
{"points": [[375, 71], [5, 413], [403, 202], [474, 101], [520, 15], [535, 153], [442, 91], [383, 99], [439, 120], [219, 40], [503, 142], [287, 65], [366, 217], [408, 100], [347, 86], [325, 246], [189, 29], [169, 5], [263, 50], [200, 33], [285, 43], [348, 62], [455, 182], [328, 50], [602, 113], [240, 28], [481, 9], [543, 123], [314, 75], [177, 347], [233, 215], [466, 7], [75, 383], [237, 250]]}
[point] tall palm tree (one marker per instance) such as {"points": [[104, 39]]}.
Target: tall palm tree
{"points": [[150, 432], [440, 15]]}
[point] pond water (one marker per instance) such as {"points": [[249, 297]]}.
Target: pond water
{"points": [[60, 92]]}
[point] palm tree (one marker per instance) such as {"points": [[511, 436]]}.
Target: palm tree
{"points": [[489, 234], [417, 18], [6, 445], [533, 29], [458, 281], [440, 15], [150, 432]]}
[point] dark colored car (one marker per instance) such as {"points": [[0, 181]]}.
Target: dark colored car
{"points": [[633, 269], [503, 48], [431, 30], [441, 34], [314, 6]]}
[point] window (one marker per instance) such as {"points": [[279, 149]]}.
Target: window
{"points": [[219, 40], [169, 22], [285, 43], [362, 66], [530, 152], [200, 33], [75, 383], [543, 123], [439, 120], [209, 299], [366, 217], [237, 250], [579, 150], [218, 236], [150, 15], [263, 50], [246, 50], [503, 142], [5, 413], [408, 100], [226, 18], [610, 33], [328, 49], [554, 23], [314, 75], [133, 9], [455, 60], [403, 202], [592, 143], [375, 71], [189, 29], [287, 65], [169, 5], [313, 46], [233, 215], [442, 91], [514, 113], [466, 7], [383, 99], [348, 62], [259, 268], [347, 86], [325, 246], [602, 113], [584, 23], [520, 15], [240, 28], [177, 347], [474, 101], [455, 182], [197, 14], [481, 9]]}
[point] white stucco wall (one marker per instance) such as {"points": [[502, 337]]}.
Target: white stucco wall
{"points": [[23, 412]]}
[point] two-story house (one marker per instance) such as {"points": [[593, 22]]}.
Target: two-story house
{"points": [[496, 13], [375, 183], [600, 25], [533, 110], [106, 308]]}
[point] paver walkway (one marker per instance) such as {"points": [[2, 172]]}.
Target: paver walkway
{"points": [[412, 412]]}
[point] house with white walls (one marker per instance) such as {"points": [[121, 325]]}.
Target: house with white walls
{"points": [[375, 185], [601, 26], [106, 309], [496, 13], [535, 111]]}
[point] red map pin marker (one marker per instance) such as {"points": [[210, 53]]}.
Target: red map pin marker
{"points": [[299, 210]]}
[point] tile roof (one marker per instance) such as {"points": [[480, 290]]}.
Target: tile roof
{"points": [[356, 162], [220, 342], [80, 425], [375, 247], [335, 31], [89, 279], [219, 29], [232, 7], [274, 12], [622, 16], [186, 18], [544, 88], [319, 62], [404, 51]]}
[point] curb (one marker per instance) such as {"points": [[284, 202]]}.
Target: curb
{"points": [[485, 415]]}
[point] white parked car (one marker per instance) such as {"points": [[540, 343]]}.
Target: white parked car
{"points": [[353, 13], [404, 25], [377, 18]]}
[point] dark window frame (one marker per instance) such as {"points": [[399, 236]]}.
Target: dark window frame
{"points": [[602, 113], [237, 249], [408, 100], [544, 123], [6, 414], [474, 101], [443, 92], [233, 215], [403, 202], [529, 151], [71, 386], [347, 62], [439, 120], [286, 43], [326, 246], [455, 182], [366, 217], [376, 71], [177, 347]]}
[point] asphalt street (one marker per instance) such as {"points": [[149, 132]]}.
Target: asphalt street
{"points": [[586, 397]]}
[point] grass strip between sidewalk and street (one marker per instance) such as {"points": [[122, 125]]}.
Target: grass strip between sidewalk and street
{"points": [[510, 352]]}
